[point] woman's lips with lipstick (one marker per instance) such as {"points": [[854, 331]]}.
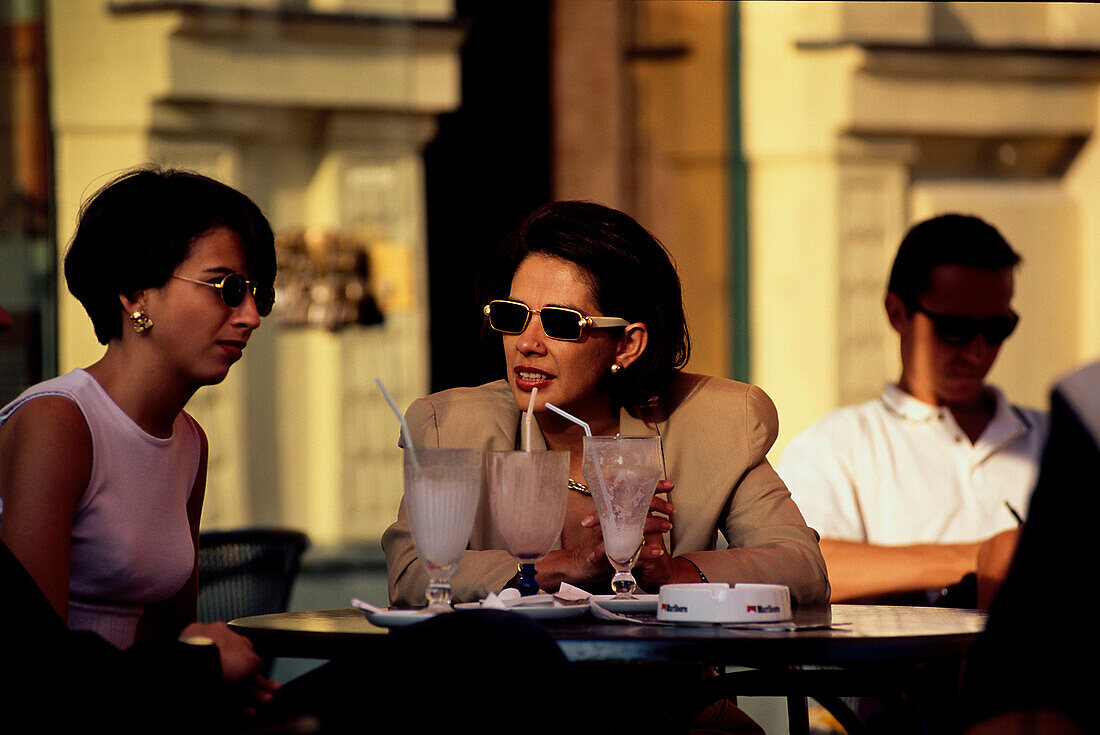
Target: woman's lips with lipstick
{"points": [[528, 378]]}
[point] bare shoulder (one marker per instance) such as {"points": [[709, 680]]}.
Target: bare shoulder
{"points": [[55, 417], [46, 438]]}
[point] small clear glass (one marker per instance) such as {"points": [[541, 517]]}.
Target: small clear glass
{"points": [[442, 489], [527, 492], [622, 474]]}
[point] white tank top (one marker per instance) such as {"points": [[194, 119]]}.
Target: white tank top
{"points": [[131, 538]]}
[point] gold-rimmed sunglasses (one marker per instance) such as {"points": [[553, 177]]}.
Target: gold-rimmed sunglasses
{"points": [[558, 322], [234, 286]]}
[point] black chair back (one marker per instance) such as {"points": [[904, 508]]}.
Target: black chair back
{"points": [[248, 571]]}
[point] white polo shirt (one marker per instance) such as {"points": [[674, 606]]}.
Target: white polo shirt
{"points": [[897, 471]]}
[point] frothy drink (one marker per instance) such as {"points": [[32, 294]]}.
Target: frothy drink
{"points": [[441, 517], [441, 493], [622, 473], [623, 507]]}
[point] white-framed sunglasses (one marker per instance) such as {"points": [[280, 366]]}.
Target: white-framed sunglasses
{"points": [[558, 322]]}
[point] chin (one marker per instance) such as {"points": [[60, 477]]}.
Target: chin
{"points": [[963, 391], [213, 377], [522, 398]]}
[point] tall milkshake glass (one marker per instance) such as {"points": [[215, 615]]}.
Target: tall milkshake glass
{"points": [[442, 487], [527, 499], [622, 474]]}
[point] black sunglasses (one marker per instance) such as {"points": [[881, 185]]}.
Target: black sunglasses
{"points": [[558, 322], [961, 330], [233, 287]]}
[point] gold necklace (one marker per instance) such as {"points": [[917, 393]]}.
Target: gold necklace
{"points": [[579, 487]]}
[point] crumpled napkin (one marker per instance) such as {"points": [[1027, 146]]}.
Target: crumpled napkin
{"points": [[499, 602], [569, 593], [510, 597]]}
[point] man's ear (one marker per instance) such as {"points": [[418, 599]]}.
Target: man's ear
{"points": [[898, 313], [633, 344]]}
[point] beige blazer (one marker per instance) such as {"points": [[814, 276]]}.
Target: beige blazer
{"points": [[715, 434]]}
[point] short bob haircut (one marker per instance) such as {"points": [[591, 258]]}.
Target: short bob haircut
{"points": [[948, 239], [135, 231], [630, 275]]}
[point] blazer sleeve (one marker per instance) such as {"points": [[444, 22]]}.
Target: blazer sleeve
{"points": [[481, 571], [769, 541]]}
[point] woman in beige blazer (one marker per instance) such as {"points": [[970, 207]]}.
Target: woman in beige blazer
{"points": [[621, 374]]}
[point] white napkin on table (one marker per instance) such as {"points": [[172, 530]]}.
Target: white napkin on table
{"points": [[495, 601], [510, 597], [569, 593]]}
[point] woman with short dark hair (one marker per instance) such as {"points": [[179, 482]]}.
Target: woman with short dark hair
{"points": [[135, 231], [590, 311], [102, 472]]}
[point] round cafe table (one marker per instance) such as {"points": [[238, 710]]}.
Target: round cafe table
{"points": [[832, 651], [836, 635]]}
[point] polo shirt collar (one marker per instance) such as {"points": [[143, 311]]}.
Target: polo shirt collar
{"points": [[908, 406], [1007, 422]]}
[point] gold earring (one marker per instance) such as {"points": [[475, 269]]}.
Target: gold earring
{"points": [[615, 367], [140, 322]]}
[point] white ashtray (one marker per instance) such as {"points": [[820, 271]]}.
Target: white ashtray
{"points": [[717, 602]]}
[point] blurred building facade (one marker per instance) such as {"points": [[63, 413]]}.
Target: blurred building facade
{"points": [[779, 150], [861, 119], [782, 149], [319, 112]]}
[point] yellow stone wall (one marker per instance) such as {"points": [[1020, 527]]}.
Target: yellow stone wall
{"points": [[321, 118], [862, 118]]}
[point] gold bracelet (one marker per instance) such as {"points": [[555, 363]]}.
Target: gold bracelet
{"points": [[579, 487]]}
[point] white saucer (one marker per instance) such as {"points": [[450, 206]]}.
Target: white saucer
{"points": [[397, 618], [539, 612], [642, 603]]}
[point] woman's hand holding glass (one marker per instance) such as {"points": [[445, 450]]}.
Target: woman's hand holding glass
{"points": [[655, 566], [581, 560]]}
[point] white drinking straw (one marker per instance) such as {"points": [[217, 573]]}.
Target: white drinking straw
{"points": [[401, 418], [587, 432], [527, 426], [574, 419]]}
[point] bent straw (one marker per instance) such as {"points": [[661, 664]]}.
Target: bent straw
{"points": [[574, 419], [527, 421], [401, 418], [587, 432]]}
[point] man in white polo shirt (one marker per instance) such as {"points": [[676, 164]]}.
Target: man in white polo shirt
{"points": [[907, 488]]}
